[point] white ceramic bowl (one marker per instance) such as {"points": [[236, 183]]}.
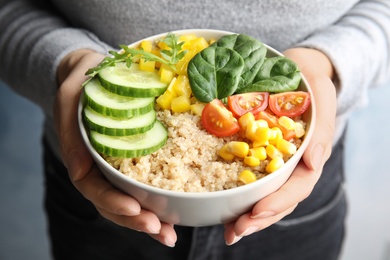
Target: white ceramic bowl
{"points": [[203, 209]]}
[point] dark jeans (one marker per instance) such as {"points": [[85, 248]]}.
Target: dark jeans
{"points": [[314, 231]]}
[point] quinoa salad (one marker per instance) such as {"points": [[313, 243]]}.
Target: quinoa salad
{"points": [[158, 114], [189, 162]]}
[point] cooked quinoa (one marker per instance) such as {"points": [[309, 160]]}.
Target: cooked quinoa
{"points": [[189, 161]]}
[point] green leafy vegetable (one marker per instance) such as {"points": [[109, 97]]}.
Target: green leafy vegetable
{"points": [[277, 74], [251, 50], [175, 52], [215, 73], [128, 55]]}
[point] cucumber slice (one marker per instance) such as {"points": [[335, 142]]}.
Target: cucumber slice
{"points": [[131, 81], [130, 146], [118, 127], [110, 104]]}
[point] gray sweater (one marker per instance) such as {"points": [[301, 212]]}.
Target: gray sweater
{"points": [[35, 35]]}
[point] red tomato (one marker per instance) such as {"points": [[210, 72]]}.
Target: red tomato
{"points": [[253, 102], [289, 104], [218, 120], [273, 122]]}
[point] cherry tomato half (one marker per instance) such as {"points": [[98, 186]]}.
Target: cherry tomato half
{"points": [[289, 104], [254, 102], [218, 120]]}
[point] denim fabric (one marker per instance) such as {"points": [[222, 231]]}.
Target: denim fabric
{"points": [[315, 230]]}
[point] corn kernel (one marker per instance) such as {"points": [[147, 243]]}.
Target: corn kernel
{"points": [[299, 130], [286, 122], [225, 154], [246, 176], [286, 147], [239, 149], [251, 128], [276, 135], [251, 161], [273, 152], [258, 152], [181, 104], [262, 134], [244, 120], [274, 164]]}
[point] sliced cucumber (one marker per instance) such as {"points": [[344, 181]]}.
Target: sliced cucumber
{"points": [[130, 146], [110, 104], [131, 81], [118, 127]]}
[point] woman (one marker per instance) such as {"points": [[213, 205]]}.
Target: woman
{"points": [[342, 47]]}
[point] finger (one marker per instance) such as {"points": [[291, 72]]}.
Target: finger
{"points": [[247, 225], [320, 145], [302, 179], [75, 154], [167, 235], [146, 221], [103, 195]]}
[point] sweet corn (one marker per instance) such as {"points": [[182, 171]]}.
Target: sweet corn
{"points": [[251, 128], [244, 120], [286, 122], [273, 152], [263, 134], [246, 176], [251, 161], [239, 149], [180, 104], [299, 130], [274, 164], [286, 147], [225, 154], [258, 152], [276, 135]]}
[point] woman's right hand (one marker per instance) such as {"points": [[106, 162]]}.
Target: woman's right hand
{"points": [[111, 203]]}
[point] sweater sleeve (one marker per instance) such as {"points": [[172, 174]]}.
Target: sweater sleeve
{"points": [[358, 46], [33, 40]]}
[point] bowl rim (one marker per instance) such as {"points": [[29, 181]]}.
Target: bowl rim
{"points": [[210, 194]]}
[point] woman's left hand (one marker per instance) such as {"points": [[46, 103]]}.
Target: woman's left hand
{"points": [[318, 70]]}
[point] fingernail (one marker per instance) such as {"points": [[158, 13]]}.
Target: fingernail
{"points": [[169, 242], [249, 231], [235, 240], [152, 229], [317, 157], [264, 214]]}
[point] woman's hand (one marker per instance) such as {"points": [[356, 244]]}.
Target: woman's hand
{"points": [[111, 203], [318, 70]]}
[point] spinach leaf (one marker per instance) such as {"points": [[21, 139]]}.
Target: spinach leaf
{"points": [[214, 73], [277, 74], [251, 50]]}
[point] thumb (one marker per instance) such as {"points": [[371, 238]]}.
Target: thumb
{"points": [[75, 154]]}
